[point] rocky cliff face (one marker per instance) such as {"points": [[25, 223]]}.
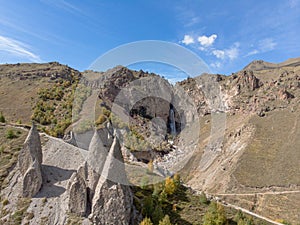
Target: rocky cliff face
{"points": [[257, 153]]}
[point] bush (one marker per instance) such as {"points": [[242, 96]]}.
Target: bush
{"points": [[203, 199], [5, 202], [165, 221], [10, 134], [148, 206], [146, 221], [176, 179], [241, 219], [2, 118], [215, 215], [170, 186], [158, 214], [101, 119]]}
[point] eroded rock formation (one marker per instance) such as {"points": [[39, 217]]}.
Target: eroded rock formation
{"points": [[77, 195], [30, 160], [112, 203], [98, 188]]}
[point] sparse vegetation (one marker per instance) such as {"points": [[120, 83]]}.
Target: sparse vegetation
{"points": [[165, 221], [18, 215], [146, 221], [203, 199], [215, 215], [5, 202], [58, 105], [74, 219], [83, 126], [2, 118], [9, 150], [10, 134]]}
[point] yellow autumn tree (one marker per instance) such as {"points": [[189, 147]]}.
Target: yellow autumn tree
{"points": [[170, 186], [146, 221], [165, 221]]}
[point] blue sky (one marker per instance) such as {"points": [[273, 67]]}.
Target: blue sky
{"points": [[227, 35]]}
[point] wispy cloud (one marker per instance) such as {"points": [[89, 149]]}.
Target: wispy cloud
{"points": [[187, 16], [17, 49], [187, 40], [264, 45], [293, 3], [267, 44], [63, 5]]}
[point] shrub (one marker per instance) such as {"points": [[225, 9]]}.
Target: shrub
{"points": [[5, 202], [203, 199], [165, 221], [10, 134], [241, 219], [2, 118], [148, 206], [146, 221], [215, 215], [177, 180], [170, 186], [101, 119], [157, 214]]}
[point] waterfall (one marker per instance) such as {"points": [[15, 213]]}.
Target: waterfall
{"points": [[172, 122]]}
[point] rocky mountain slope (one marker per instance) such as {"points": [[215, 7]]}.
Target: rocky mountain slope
{"points": [[233, 137]]}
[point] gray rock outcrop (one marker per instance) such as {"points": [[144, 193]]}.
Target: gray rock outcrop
{"points": [[77, 192], [31, 150], [29, 161], [112, 202], [98, 150]]}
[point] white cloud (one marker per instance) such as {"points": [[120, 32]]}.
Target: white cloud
{"points": [[219, 54], [17, 49], [216, 65], [233, 52], [188, 40], [229, 53], [207, 40]]}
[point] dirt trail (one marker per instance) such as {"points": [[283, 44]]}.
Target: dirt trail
{"points": [[258, 193], [250, 213]]}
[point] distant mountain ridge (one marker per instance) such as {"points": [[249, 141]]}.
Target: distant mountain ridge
{"points": [[257, 65]]}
